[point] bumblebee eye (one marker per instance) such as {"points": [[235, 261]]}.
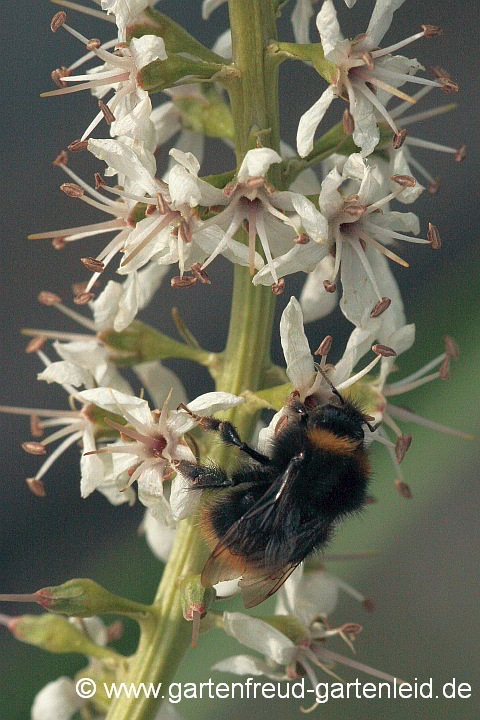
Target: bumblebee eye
{"points": [[299, 410]]}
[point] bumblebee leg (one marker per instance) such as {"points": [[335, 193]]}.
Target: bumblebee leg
{"points": [[204, 476], [228, 434]]}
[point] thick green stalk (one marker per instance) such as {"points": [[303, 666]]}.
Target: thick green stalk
{"points": [[255, 111]]}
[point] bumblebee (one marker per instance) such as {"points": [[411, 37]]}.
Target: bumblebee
{"points": [[272, 512]]}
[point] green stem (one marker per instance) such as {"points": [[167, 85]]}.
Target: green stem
{"points": [[246, 357]]}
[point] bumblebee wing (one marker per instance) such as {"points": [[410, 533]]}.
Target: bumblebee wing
{"points": [[223, 565], [229, 559], [257, 586]]}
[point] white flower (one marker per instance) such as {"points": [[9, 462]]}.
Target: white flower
{"points": [[130, 106], [58, 699], [171, 232], [125, 11], [357, 231], [120, 223], [158, 535], [308, 384], [75, 426], [249, 198], [158, 443], [294, 645], [359, 65]]}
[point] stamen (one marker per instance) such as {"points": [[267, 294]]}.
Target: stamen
{"points": [[57, 452], [376, 102], [403, 414], [324, 347], [353, 379], [336, 657], [380, 307], [182, 281], [129, 432], [390, 390], [386, 232], [398, 45], [389, 88], [427, 114], [368, 269], [400, 109], [98, 228], [36, 486], [34, 448], [385, 251], [85, 10], [433, 236], [383, 72], [418, 142], [78, 145], [200, 274], [348, 122], [156, 227], [262, 234]]}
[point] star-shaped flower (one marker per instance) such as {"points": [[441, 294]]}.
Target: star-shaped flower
{"points": [[362, 70], [352, 226], [153, 442]]}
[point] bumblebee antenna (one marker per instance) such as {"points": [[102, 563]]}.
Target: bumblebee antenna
{"points": [[330, 384]]}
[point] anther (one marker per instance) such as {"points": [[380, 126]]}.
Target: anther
{"points": [[329, 286], [61, 159], [380, 307], [404, 180], [278, 287], [255, 182], [461, 153], [99, 181], [401, 446], [451, 347], [444, 369], [72, 190], [78, 145], [431, 30], [48, 298], [92, 264], [93, 44], [58, 20], [83, 298], [368, 605], [403, 488], [354, 209], [301, 239], [35, 344], [348, 122], [448, 85], [34, 448], [59, 74], [383, 350], [36, 486], [399, 139], [325, 346], [107, 113], [433, 236], [182, 281], [36, 427], [434, 187], [200, 274], [368, 60]]}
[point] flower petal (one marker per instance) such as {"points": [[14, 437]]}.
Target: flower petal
{"points": [[259, 635], [256, 163], [381, 20], [315, 301], [159, 536], [67, 373], [310, 121], [57, 699], [328, 27], [300, 366]]}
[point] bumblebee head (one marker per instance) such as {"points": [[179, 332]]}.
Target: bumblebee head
{"points": [[341, 419]]}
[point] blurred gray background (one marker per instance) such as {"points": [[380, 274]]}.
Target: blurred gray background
{"points": [[425, 578]]}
